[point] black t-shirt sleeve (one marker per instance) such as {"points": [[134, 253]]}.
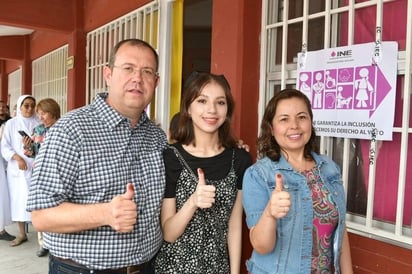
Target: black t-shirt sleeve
{"points": [[173, 169], [215, 168], [243, 160]]}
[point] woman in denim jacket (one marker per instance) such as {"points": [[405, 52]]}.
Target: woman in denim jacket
{"points": [[293, 197]]}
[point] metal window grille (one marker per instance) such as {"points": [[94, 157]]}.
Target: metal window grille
{"points": [[292, 26], [49, 77], [14, 87], [141, 23], [152, 23]]}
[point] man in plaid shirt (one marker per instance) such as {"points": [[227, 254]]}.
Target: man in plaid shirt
{"points": [[99, 177]]}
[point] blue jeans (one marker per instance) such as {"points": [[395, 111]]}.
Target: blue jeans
{"points": [[57, 266]]}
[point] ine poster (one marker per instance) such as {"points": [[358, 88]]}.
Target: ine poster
{"points": [[352, 89]]}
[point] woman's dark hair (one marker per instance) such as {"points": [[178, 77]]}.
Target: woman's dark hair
{"points": [[266, 143], [192, 89], [27, 97], [173, 127]]}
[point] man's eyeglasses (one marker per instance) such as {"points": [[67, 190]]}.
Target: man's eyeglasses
{"points": [[146, 73]]}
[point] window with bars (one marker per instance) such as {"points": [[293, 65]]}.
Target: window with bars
{"points": [[379, 193], [49, 77], [141, 23], [14, 87]]}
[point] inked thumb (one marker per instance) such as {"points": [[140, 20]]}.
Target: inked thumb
{"points": [[279, 182], [129, 194], [201, 176]]}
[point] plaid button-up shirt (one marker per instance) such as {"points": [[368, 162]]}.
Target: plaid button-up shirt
{"points": [[88, 157]]}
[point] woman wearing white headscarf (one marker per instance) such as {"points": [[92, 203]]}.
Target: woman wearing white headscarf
{"points": [[5, 217], [19, 166]]}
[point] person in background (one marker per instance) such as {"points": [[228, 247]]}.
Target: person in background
{"points": [[5, 218], [201, 214], [19, 166], [4, 112], [14, 111], [4, 115], [292, 191], [48, 110], [99, 177]]}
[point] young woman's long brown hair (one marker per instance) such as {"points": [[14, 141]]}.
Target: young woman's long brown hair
{"points": [[192, 89]]}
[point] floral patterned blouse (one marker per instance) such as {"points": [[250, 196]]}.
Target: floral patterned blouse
{"points": [[38, 135], [325, 221]]}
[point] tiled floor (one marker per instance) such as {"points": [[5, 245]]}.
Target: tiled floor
{"points": [[22, 259]]}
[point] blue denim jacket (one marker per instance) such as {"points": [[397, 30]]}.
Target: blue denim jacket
{"points": [[293, 249]]}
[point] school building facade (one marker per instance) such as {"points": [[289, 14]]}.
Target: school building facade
{"points": [[65, 45]]}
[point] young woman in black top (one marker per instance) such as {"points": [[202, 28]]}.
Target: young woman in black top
{"points": [[201, 215]]}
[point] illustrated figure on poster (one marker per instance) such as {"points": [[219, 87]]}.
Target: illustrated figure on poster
{"points": [[318, 88], [304, 87], [330, 81], [341, 101], [362, 87], [344, 75]]}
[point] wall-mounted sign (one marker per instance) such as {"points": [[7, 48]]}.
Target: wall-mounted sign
{"points": [[352, 89], [70, 62]]}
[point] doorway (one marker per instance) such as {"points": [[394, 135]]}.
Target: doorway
{"points": [[197, 36]]}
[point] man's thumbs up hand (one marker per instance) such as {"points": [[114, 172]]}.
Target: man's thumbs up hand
{"points": [[129, 194], [123, 211]]}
